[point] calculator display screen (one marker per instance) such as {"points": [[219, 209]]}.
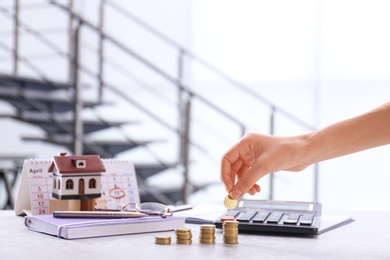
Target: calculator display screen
{"points": [[277, 206]]}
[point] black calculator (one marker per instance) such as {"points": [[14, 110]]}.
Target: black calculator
{"points": [[268, 216]]}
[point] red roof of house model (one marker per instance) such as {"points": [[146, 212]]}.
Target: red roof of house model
{"points": [[68, 164]]}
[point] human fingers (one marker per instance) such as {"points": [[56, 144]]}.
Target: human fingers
{"points": [[255, 189], [237, 169], [237, 161], [247, 183], [230, 165]]}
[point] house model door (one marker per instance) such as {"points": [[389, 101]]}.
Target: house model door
{"points": [[81, 187]]}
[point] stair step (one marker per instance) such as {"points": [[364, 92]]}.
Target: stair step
{"points": [[105, 148], [39, 100], [60, 125], [31, 83]]}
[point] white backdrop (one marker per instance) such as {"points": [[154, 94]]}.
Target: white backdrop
{"points": [[322, 60]]}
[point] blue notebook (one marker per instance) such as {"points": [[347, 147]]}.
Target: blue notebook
{"points": [[74, 228]]}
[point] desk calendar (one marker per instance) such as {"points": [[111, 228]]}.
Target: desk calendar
{"points": [[118, 186]]}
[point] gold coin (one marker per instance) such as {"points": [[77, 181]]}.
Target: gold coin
{"points": [[184, 241], [207, 242], [230, 242], [230, 203], [184, 237], [207, 227], [182, 230], [211, 236], [163, 240]]}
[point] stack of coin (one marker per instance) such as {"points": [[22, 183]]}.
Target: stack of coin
{"points": [[207, 234], [183, 236], [163, 240], [230, 232]]}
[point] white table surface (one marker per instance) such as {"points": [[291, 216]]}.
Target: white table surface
{"points": [[366, 238]]}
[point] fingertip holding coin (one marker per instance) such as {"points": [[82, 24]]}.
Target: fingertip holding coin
{"points": [[230, 203]]}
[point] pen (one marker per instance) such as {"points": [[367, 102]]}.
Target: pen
{"points": [[97, 214]]}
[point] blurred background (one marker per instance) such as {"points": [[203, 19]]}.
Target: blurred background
{"points": [[171, 85]]}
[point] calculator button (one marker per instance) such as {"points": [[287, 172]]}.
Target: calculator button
{"points": [[243, 219], [272, 220], [306, 220], [274, 217], [263, 213], [227, 218], [291, 219], [261, 216], [233, 213], [247, 216], [261, 220]]}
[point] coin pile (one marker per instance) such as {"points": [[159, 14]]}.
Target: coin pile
{"points": [[230, 232], [207, 234], [183, 236], [163, 240]]}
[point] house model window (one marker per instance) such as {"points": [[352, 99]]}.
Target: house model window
{"points": [[69, 185], [92, 184], [80, 163]]}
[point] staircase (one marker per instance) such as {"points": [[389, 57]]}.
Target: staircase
{"points": [[133, 107], [47, 105]]}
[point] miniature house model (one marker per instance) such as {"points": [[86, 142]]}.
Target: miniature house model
{"points": [[76, 177]]}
